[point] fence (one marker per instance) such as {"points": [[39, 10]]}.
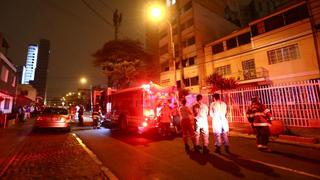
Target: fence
{"points": [[296, 104]]}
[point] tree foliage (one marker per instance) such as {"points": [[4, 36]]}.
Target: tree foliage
{"points": [[218, 82], [123, 62]]}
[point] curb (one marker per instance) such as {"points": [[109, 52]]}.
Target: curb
{"points": [[94, 157], [277, 140]]}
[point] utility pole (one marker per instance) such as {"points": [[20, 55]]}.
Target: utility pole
{"points": [[180, 58], [117, 19]]}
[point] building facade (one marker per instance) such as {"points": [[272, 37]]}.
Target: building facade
{"points": [[280, 47], [193, 24], [7, 84], [40, 79], [28, 72]]}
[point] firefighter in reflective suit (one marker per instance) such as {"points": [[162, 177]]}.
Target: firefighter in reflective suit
{"points": [[260, 117], [200, 111]]}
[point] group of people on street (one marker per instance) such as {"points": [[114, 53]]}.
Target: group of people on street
{"points": [[167, 116], [24, 112], [194, 124]]}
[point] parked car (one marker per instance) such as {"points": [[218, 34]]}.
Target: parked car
{"points": [[53, 117]]}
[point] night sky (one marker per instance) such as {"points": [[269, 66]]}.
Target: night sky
{"points": [[75, 32]]}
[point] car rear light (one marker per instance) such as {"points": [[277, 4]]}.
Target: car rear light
{"points": [[63, 119], [144, 124]]}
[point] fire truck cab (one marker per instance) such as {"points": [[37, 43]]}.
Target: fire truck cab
{"points": [[136, 108]]}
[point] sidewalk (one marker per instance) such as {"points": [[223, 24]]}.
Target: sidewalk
{"points": [[43, 155], [306, 137]]}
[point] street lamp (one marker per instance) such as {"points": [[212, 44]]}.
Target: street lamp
{"points": [[157, 14], [83, 80]]}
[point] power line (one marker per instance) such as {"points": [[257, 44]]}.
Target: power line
{"points": [[96, 13]]}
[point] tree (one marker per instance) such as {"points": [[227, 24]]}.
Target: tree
{"points": [[123, 62], [218, 82]]}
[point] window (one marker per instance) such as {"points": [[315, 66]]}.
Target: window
{"points": [[287, 53], [244, 38], [296, 14], [4, 74], [193, 81], [189, 42], [258, 29], [13, 81], [274, 22], [189, 61], [6, 103], [224, 70], [165, 66], [217, 48], [231, 43]]}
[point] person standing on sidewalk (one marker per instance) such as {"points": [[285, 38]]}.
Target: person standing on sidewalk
{"points": [[81, 112], [176, 118], [186, 125], [261, 118], [200, 111], [220, 125], [165, 120]]}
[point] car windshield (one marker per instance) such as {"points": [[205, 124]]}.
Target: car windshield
{"points": [[55, 111]]}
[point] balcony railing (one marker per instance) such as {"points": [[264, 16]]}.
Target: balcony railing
{"points": [[252, 74]]}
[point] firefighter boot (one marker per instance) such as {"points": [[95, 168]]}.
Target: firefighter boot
{"points": [[205, 150], [218, 150], [226, 148], [197, 149], [187, 147]]}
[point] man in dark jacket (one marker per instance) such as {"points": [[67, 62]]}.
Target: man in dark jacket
{"points": [[260, 117]]}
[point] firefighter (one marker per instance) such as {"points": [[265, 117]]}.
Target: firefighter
{"points": [[220, 126], [96, 116], [165, 119], [261, 118], [200, 111], [186, 117]]}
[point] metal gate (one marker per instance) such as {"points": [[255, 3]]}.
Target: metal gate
{"points": [[296, 104]]}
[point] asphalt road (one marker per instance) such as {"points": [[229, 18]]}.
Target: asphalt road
{"points": [[131, 156]]}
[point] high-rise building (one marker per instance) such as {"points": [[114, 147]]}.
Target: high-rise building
{"points": [[29, 69], [40, 78]]}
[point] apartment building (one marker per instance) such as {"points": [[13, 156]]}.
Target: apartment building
{"points": [[193, 24], [280, 47]]}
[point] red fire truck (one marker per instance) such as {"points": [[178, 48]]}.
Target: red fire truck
{"points": [[137, 108]]}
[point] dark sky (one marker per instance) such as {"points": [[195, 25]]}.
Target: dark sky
{"points": [[75, 33]]}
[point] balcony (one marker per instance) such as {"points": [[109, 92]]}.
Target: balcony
{"points": [[253, 75]]}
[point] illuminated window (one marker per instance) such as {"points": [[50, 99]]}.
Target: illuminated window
{"points": [[287, 53], [4, 74], [223, 70]]}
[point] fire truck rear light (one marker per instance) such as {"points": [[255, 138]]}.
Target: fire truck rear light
{"points": [[144, 124]]}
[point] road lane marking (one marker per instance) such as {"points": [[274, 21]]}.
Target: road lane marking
{"points": [[105, 170], [286, 168]]}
